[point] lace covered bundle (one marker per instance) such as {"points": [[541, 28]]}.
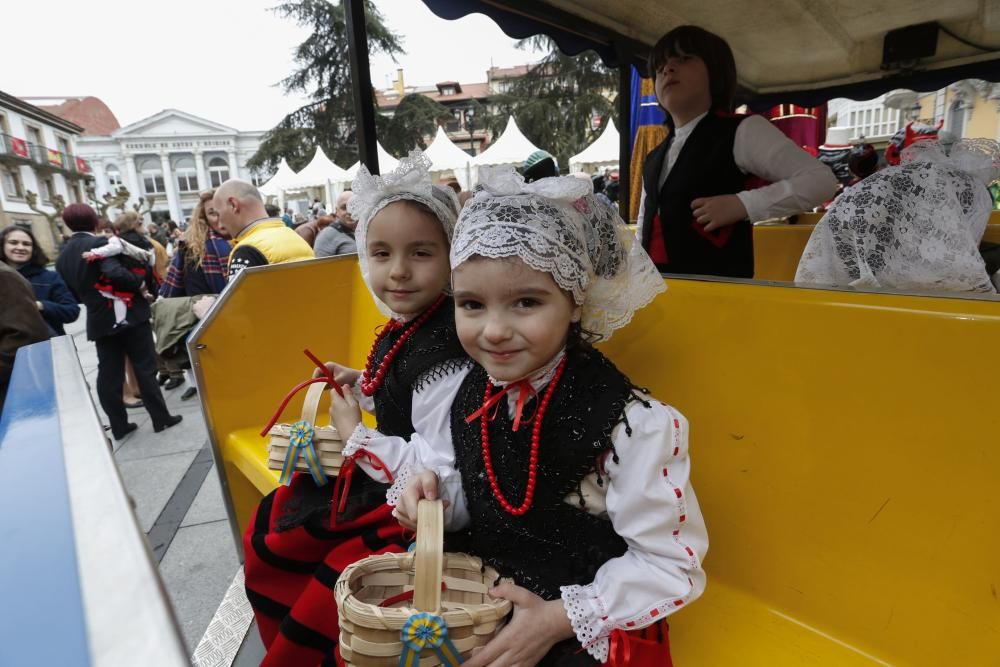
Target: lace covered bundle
{"points": [[411, 181], [556, 225], [916, 226]]}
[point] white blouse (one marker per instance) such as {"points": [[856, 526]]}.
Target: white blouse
{"points": [[647, 496], [799, 182]]}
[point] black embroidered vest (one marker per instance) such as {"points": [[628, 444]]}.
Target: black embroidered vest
{"points": [[554, 544], [705, 167]]}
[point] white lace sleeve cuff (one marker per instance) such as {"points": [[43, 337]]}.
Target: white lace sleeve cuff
{"points": [[359, 439], [399, 484], [589, 618]]}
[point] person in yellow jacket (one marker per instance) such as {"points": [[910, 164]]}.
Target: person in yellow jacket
{"points": [[257, 239]]}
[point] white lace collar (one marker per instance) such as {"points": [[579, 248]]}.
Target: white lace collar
{"points": [[538, 379]]}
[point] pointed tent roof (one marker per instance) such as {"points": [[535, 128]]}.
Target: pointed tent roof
{"points": [[317, 173], [511, 148], [386, 163], [276, 184], [445, 155], [604, 150]]}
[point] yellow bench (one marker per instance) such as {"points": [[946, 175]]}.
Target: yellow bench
{"points": [[848, 477]]}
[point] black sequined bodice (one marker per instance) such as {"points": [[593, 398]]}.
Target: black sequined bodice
{"points": [[553, 544]]}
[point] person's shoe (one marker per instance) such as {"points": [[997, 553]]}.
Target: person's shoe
{"points": [[128, 429], [173, 383], [161, 378], [133, 405], [172, 420], [189, 393]]}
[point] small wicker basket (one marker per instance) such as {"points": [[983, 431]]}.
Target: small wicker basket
{"points": [[325, 439], [370, 633]]}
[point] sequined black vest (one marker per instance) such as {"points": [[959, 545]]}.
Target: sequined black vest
{"points": [[553, 544]]}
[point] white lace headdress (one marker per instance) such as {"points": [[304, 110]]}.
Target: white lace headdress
{"points": [[411, 181], [915, 226], [556, 225]]}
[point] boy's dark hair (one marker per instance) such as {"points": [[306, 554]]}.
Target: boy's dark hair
{"points": [[272, 210], [863, 161], [38, 257], [80, 218], [690, 40]]}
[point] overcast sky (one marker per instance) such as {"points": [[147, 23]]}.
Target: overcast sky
{"points": [[218, 59]]}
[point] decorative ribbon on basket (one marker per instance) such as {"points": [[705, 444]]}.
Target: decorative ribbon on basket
{"points": [[424, 630], [301, 444]]}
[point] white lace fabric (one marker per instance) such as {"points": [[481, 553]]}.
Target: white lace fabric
{"points": [[916, 226], [555, 225], [589, 619], [410, 181]]}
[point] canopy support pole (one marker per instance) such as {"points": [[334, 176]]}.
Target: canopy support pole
{"points": [[624, 133], [361, 83]]}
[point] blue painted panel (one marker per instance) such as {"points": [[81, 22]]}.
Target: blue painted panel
{"points": [[41, 611]]}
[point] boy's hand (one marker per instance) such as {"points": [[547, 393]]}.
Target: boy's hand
{"points": [[536, 627], [342, 374], [424, 485], [716, 212], [345, 414]]}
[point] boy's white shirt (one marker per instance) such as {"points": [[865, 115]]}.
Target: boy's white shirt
{"points": [[644, 495], [799, 182]]}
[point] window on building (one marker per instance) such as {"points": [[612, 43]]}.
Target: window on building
{"points": [[11, 177], [114, 177], [74, 193], [34, 135], [63, 145], [4, 127], [187, 175], [48, 189], [956, 119], [218, 171], [258, 179], [854, 119], [152, 176]]}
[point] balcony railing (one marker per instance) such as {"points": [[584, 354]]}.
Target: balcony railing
{"points": [[13, 147], [50, 158]]}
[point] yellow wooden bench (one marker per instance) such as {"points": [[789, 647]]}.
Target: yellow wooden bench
{"points": [[844, 451]]}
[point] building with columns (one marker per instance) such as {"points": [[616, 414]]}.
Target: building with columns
{"points": [[172, 156]]}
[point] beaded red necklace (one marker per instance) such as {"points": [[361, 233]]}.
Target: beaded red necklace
{"points": [[370, 385], [536, 433]]}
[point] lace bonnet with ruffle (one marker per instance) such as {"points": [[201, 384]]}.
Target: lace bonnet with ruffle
{"points": [[556, 225], [410, 181]]}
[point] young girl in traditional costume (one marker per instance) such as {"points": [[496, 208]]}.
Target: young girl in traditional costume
{"points": [[701, 186], [553, 466], [298, 542]]}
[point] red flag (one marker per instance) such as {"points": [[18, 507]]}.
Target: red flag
{"points": [[19, 147], [82, 166]]}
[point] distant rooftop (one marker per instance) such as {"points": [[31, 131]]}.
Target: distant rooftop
{"points": [[90, 113]]}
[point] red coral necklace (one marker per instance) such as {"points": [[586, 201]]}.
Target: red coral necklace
{"points": [[536, 434], [370, 384]]}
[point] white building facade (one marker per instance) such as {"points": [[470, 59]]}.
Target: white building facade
{"points": [[171, 156], [38, 154]]}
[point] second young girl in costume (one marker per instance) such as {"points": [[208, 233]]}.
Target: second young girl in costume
{"points": [[555, 468], [698, 185], [298, 543]]}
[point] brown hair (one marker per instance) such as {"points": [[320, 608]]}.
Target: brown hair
{"points": [[690, 40], [80, 218], [197, 231], [38, 257], [126, 222]]}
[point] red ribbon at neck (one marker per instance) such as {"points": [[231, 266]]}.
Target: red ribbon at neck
{"points": [[525, 394]]}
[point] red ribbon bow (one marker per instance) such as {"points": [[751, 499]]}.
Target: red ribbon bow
{"points": [[525, 393], [342, 487]]}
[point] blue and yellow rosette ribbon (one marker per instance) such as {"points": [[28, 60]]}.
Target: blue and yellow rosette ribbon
{"points": [[424, 630], [301, 444]]}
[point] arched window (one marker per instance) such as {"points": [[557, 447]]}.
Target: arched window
{"points": [[151, 172], [114, 176], [187, 175], [956, 120], [218, 171]]}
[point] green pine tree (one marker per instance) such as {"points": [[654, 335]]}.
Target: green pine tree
{"points": [[416, 118]]}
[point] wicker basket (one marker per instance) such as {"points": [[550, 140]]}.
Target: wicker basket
{"points": [[326, 441], [370, 633]]}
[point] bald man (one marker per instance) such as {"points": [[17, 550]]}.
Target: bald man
{"points": [[257, 238]]}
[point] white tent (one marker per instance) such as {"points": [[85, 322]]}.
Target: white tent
{"points": [[275, 186], [320, 173], [604, 152], [446, 156], [386, 163], [511, 148]]}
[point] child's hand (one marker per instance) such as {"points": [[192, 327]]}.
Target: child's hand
{"points": [[342, 374], [89, 256], [716, 212], [345, 414], [536, 627], [423, 485]]}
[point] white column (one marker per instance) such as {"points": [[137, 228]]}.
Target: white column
{"points": [[100, 178], [168, 181], [131, 177], [234, 167], [199, 163]]}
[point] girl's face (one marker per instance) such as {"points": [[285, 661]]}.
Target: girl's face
{"points": [[407, 258], [17, 248], [511, 319], [682, 87], [212, 217]]}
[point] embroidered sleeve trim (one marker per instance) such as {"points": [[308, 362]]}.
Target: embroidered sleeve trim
{"points": [[589, 619], [403, 478], [359, 439]]}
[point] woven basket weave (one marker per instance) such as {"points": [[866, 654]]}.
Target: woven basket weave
{"points": [[370, 634], [326, 440]]}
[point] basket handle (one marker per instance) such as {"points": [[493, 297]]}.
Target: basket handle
{"points": [[310, 406], [428, 560]]}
